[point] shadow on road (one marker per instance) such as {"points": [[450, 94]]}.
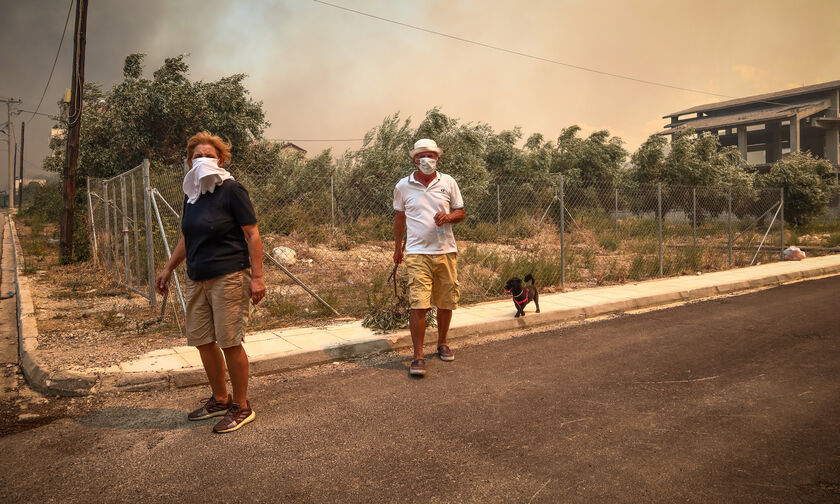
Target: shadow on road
{"points": [[375, 354], [125, 417]]}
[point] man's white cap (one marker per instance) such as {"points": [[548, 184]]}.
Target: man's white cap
{"points": [[425, 145]]}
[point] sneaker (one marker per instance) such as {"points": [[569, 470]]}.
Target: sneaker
{"points": [[445, 353], [418, 367], [212, 408], [236, 417]]}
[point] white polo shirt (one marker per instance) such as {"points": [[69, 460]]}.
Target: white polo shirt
{"points": [[420, 204]]}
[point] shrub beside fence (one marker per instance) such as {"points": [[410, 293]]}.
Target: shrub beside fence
{"points": [[334, 241]]}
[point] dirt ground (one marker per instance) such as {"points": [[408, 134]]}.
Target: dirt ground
{"points": [[86, 321], [83, 319]]}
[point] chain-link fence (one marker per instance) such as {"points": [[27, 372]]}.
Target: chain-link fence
{"points": [[328, 240], [121, 229]]}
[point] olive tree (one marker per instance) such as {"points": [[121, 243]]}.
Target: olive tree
{"points": [[808, 183]]}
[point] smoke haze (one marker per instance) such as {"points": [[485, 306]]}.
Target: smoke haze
{"points": [[324, 73]]}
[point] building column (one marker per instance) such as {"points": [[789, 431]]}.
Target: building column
{"points": [[774, 145], [832, 135], [794, 134], [832, 145], [742, 141]]}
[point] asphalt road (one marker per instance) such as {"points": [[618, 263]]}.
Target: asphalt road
{"points": [[730, 400]]}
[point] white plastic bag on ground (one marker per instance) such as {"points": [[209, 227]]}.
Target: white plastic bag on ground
{"points": [[793, 254]]}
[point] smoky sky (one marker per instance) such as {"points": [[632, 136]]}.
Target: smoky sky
{"points": [[323, 73]]}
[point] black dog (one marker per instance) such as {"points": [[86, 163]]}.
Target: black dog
{"points": [[523, 295]]}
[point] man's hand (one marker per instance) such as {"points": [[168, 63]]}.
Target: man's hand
{"points": [[257, 289], [162, 281], [398, 255], [441, 219]]}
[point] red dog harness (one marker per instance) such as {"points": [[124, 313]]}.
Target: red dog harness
{"points": [[524, 301]]}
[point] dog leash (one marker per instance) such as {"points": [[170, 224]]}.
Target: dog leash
{"points": [[393, 276], [162, 311]]}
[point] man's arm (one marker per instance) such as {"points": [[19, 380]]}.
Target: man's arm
{"points": [[399, 230], [452, 218]]}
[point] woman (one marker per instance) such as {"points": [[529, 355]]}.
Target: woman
{"points": [[222, 246]]}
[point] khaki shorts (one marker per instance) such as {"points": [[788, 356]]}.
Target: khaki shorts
{"points": [[217, 309], [433, 278]]}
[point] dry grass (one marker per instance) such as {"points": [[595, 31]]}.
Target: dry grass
{"points": [[87, 320]]}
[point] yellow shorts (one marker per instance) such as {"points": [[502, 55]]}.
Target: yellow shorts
{"points": [[217, 309], [433, 278]]}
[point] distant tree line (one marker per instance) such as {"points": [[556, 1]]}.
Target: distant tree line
{"points": [[152, 118]]}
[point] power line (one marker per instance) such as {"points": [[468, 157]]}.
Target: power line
{"points": [[317, 140], [539, 58], [49, 79], [524, 55], [51, 116]]}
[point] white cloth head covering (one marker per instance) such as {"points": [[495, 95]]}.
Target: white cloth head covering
{"points": [[204, 176]]}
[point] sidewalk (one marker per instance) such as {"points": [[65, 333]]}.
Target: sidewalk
{"points": [[8, 316], [280, 350]]}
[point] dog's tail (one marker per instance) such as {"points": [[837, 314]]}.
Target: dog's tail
{"points": [[529, 278]]}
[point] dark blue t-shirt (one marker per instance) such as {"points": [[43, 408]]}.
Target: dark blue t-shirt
{"points": [[212, 229]]}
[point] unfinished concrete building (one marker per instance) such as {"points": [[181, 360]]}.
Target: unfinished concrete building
{"points": [[766, 127]]}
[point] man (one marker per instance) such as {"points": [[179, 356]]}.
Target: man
{"points": [[427, 203]]}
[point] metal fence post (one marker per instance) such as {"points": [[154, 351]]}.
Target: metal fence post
{"points": [[659, 215], [562, 235], [729, 221], [125, 232], [782, 216], [616, 215], [92, 224], [136, 223], [150, 244], [115, 242], [499, 211], [694, 215], [107, 213], [332, 201], [167, 249]]}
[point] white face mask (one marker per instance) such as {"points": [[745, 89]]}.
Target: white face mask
{"points": [[428, 165], [205, 162], [205, 175]]}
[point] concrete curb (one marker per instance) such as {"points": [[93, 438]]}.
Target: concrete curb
{"points": [[37, 374], [67, 383]]}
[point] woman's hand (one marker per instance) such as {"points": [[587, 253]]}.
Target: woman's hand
{"points": [[257, 288], [162, 281]]}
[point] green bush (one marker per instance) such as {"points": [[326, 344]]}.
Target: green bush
{"points": [[808, 182], [608, 244], [42, 206], [484, 232], [42, 202], [643, 267]]}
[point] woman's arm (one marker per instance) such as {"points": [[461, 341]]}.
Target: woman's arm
{"points": [[162, 278], [255, 251]]}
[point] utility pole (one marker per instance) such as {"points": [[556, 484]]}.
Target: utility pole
{"points": [[74, 123], [22, 138], [11, 131], [15, 167]]}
